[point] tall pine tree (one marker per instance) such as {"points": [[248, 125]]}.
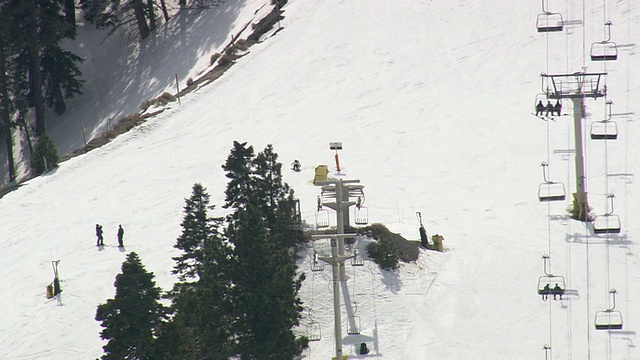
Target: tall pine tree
{"points": [[201, 325], [132, 316], [265, 277], [113, 14], [6, 105], [45, 73]]}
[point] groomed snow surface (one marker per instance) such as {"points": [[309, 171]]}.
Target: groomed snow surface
{"points": [[433, 103]]}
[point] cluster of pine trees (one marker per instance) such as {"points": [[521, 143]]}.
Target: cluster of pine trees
{"points": [[237, 288], [37, 73]]}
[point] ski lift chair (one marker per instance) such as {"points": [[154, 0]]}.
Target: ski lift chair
{"points": [[296, 218], [608, 223], [353, 325], [605, 50], [357, 260], [317, 264], [550, 190], [322, 215], [549, 22], [550, 284], [541, 98], [605, 129], [314, 331], [610, 319], [360, 213], [547, 284]]}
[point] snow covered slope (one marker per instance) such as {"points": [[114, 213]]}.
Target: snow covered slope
{"points": [[432, 101]]}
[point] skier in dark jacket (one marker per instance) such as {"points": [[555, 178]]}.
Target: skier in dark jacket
{"points": [[120, 235], [557, 108], [550, 108], [295, 166], [99, 235], [557, 291], [539, 108]]}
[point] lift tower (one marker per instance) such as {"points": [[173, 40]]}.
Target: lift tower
{"points": [[341, 190], [577, 87]]}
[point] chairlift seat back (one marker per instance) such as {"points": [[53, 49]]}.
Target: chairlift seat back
{"points": [[549, 22], [551, 191], [607, 224]]}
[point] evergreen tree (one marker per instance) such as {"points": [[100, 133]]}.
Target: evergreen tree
{"points": [[130, 319], [384, 253], [30, 12], [60, 76], [265, 277], [113, 14], [277, 197], [45, 156], [70, 18], [6, 105], [238, 169], [201, 324], [45, 74]]}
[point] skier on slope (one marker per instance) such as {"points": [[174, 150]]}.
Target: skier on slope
{"points": [[120, 235], [295, 166], [99, 235]]}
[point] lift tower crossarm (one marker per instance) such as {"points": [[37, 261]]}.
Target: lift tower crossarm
{"points": [[575, 85]]}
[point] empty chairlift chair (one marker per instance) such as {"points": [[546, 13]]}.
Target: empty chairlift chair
{"points": [[605, 50], [610, 319], [357, 260], [549, 21], [605, 129], [607, 223], [314, 331], [353, 322], [550, 190]]}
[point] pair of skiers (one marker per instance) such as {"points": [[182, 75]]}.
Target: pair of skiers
{"points": [[556, 291], [101, 238], [550, 109]]}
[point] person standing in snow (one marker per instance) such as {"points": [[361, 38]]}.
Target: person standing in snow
{"points": [[120, 235], [99, 235]]}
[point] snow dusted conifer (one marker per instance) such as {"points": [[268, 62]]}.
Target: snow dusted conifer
{"points": [[265, 277], [200, 299], [130, 319]]}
